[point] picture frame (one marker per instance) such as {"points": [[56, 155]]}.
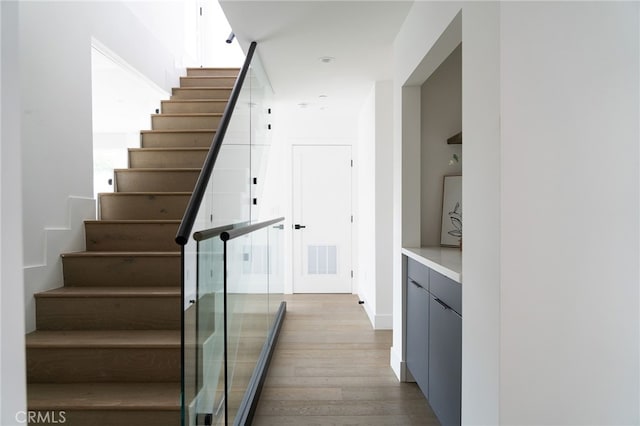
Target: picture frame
{"points": [[451, 226]]}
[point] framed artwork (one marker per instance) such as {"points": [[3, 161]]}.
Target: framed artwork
{"points": [[451, 231]]}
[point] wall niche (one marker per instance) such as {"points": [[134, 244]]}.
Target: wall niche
{"points": [[441, 119]]}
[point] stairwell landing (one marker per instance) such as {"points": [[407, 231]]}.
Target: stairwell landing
{"points": [[106, 350]]}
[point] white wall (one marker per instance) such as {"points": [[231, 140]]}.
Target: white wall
{"points": [[174, 26], [55, 66], [365, 206], [570, 208], [384, 204], [441, 111], [481, 212], [416, 56], [12, 356], [373, 218], [550, 280], [122, 101], [214, 51], [305, 126]]}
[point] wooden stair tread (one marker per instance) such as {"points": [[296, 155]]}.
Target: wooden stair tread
{"points": [[122, 254], [180, 130], [205, 88], [193, 100], [170, 149], [133, 221], [188, 114], [159, 169], [213, 69], [111, 291], [104, 396], [103, 339], [221, 77], [145, 193]]}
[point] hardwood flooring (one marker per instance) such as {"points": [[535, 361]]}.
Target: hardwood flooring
{"points": [[331, 368]]}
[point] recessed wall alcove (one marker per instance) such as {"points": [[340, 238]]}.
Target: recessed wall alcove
{"points": [[431, 113]]}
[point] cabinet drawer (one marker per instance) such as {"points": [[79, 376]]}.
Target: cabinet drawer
{"points": [[418, 272], [447, 290]]}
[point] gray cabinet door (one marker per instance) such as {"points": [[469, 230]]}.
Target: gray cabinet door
{"points": [[418, 334], [445, 361]]}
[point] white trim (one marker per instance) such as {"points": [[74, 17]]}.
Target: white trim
{"points": [[383, 322], [112, 56], [48, 274], [378, 321]]}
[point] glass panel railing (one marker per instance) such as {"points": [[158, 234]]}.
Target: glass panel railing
{"points": [[203, 333], [210, 331], [253, 263], [229, 306], [248, 310], [230, 327]]}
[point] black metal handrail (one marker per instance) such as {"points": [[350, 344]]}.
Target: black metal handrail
{"points": [[210, 233], [182, 237], [237, 232]]}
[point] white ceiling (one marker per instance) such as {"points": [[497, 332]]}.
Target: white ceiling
{"points": [[292, 36]]}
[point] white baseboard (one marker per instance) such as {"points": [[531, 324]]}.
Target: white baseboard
{"points": [[383, 322], [369, 311], [378, 322], [48, 274]]}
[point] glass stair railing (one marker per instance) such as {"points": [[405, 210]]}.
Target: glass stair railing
{"points": [[232, 264]]}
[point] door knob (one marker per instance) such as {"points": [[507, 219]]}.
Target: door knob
{"points": [[297, 226]]}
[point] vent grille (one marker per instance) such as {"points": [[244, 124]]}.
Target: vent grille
{"points": [[322, 260]]}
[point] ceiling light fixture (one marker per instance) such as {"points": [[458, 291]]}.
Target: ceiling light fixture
{"points": [[327, 59]]}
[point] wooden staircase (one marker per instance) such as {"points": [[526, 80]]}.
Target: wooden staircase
{"points": [[106, 350]]}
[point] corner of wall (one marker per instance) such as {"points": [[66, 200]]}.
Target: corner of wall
{"points": [[397, 365], [48, 274], [367, 308], [383, 322]]}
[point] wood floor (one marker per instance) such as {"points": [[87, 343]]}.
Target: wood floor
{"points": [[331, 368]]}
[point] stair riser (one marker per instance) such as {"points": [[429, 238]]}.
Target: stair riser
{"points": [[173, 122], [193, 107], [137, 180], [112, 417], [177, 140], [131, 237], [55, 365], [187, 93], [160, 159], [107, 313], [142, 206], [101, 271], [211, 72], [207, 81]]}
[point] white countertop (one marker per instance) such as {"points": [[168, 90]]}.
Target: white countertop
{"points": [[447, 261]]}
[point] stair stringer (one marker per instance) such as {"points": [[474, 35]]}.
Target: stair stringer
{"points": [[70, 238]]}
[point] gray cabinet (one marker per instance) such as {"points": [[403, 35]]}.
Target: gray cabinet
{"points": [[418, 326], [445, 361], [434, 339]]}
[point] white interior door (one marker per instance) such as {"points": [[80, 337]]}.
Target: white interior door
{"points": [[322, 216]]}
